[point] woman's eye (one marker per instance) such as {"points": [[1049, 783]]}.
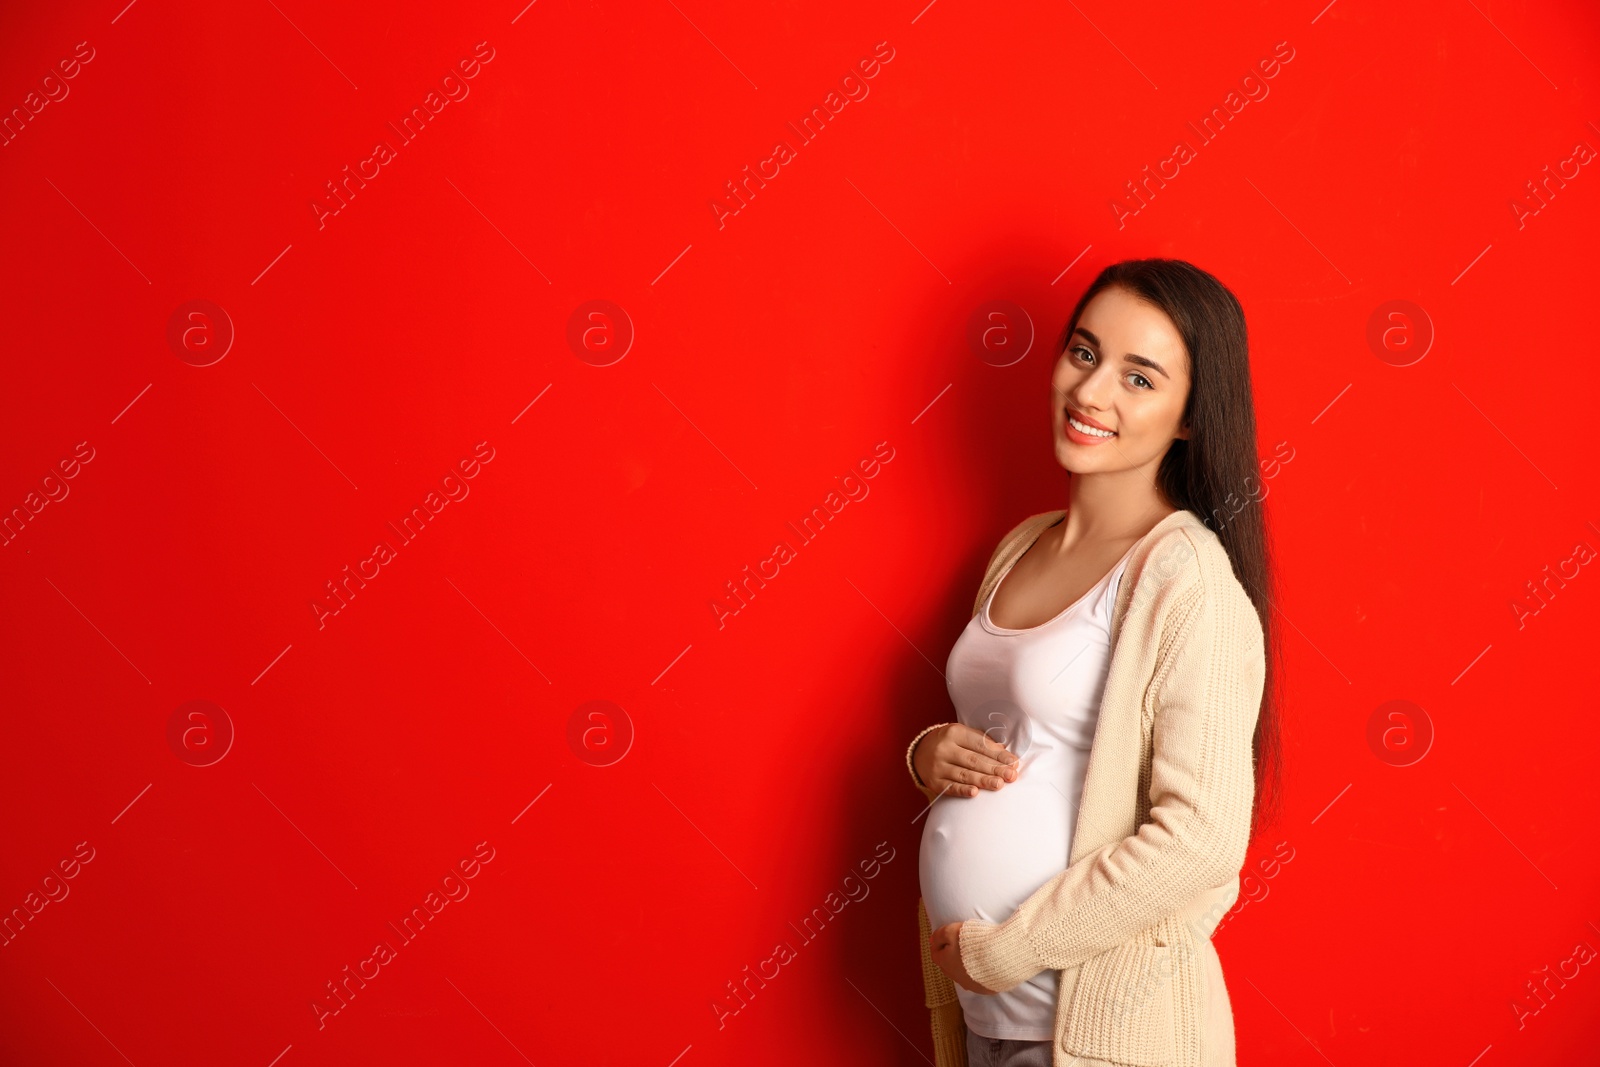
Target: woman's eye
{"points": [[1086, 355]]}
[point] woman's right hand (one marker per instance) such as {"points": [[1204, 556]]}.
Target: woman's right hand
{"points": [[957, 759]]}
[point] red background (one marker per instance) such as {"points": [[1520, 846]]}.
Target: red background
{"points": [[771, 353]]}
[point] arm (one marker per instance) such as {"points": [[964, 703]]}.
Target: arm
{"points": [[1201, 788]]}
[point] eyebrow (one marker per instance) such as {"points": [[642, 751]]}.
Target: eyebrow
{"points": [[1143, 361]]}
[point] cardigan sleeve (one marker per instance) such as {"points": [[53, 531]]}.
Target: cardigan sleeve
{"points": [[1201, 790]]}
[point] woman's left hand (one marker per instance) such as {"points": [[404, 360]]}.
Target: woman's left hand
{"points": [[945, 944]]}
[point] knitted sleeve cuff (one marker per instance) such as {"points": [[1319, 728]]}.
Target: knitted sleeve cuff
{"points": [[998, 955]]}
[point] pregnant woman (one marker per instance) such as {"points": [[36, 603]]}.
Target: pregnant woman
{"points": [[1117, 742]]}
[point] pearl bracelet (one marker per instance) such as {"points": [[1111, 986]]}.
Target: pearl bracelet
{"points": [[911, 748]]}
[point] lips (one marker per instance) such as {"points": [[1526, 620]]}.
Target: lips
{"points": [[1087, 421]]}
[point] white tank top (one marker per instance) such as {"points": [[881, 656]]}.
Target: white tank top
{"points": [[1037, 691]]}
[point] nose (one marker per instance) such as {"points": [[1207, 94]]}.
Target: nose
{"points": [[1090, 392]]}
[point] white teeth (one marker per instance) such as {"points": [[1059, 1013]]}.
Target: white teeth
{"points": [[1090, 430]]}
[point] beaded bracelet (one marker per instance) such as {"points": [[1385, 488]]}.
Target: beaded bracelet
{"points": [[911, 748]]}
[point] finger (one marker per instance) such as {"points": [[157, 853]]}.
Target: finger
{"points": [[964, 769], [949, 781], [983, 771], [969, 780], [976, 740], [985, 765]]}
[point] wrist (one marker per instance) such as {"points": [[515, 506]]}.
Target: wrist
{"points": [[911, 751], [998, 956]]}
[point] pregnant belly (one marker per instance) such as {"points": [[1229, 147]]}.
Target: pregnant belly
{"points": [[983, 856]]}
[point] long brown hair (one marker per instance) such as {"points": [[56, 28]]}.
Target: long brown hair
{"points": [[1212, 472]]}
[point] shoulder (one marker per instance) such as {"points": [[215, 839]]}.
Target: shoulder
{"points": [[1186, 569], [1028, 527], [1037, 519], [1183, 552]]}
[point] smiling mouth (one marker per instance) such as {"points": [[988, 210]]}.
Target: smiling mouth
{"points": [[1087, 430]]}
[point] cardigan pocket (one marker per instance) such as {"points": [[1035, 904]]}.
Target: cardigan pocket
{"points": [[1122, 1007]]}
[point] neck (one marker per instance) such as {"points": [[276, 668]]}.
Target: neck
{"points": [[1119, 506]]}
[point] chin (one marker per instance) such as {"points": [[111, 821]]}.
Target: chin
{"points": [[1067, 461]]}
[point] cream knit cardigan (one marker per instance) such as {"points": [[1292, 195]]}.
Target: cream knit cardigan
{"points": [[1161, 827]]}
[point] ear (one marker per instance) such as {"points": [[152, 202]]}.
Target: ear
{"points": [[1183, 431]]}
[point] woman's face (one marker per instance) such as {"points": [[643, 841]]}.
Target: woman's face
{"points": [[1125, 370]]}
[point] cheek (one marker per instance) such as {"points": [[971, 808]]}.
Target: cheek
{"points": [[1159, 416]]}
